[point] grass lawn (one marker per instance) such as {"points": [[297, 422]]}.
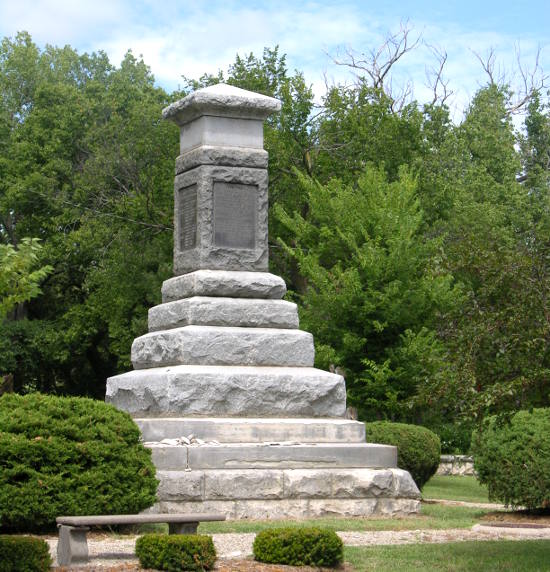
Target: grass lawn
{"points": [[455, 488], [489, 556], [432, 517]]}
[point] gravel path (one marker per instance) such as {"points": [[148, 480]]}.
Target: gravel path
{"points": [[106, 551]]}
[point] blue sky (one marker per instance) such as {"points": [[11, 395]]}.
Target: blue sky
{"points": [[192, 37]]}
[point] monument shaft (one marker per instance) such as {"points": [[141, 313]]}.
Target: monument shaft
{"points": [[224, 388]]}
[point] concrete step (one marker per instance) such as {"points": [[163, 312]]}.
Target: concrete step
{"points": [[228, 391], [227, 283], [212, 345], [253, 430], [276, 455], [228, 312], [269, 484]]}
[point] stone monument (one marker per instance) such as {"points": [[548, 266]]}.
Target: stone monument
{"points": [[223, 387]]}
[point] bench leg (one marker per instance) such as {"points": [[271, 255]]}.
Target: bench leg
{"points": [[72, 546], [182, 527]]}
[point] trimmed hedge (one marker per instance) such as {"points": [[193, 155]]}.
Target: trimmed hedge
{"points": [[69, 456], [175, 552], [24, 554], [298, 547], [418, 448], [513, 458]]}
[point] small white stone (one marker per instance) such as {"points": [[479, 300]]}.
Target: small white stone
{"points": [[170, 442]]}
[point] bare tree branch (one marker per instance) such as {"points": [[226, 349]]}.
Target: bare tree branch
{"points": [[377, 64], [434, 75], [531, 80]]}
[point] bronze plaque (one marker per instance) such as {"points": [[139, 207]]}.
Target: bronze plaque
{"points": [[235, 215], [187, 214]]}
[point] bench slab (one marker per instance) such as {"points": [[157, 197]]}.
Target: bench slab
{"points": [[72, 547], [111, 519]]}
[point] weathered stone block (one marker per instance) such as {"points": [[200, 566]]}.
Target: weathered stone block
{"points": [[219, 155], [211, 345], [307, 483], [236, 484], [236, 312], [180, 485], [228, 391], [362, 483], [225, 283]]}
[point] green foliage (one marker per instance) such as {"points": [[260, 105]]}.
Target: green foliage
{"points": [[176, 552], [20, 279], [374, 290], [455, 437], [512, 457], [24, 554], [496, 238], [420, 261], [418, 448], [86, 165], [298, 547], [69, 456]]}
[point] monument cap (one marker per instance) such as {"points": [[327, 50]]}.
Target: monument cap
{"points": [[221, 100]]}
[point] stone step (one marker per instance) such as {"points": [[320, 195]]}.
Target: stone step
{"points": [[253, 430], [268, 484], [236, 391], [213, 345], [276, 455], [210, 311], [225, 283], [280, 509]]}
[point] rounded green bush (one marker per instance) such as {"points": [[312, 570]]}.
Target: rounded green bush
{"points": [[418, 448], [24, 554], [513, 458], [298, 547], [69, 456], [176, 552]]}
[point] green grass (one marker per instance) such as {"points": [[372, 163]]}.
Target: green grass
{"points": [[489, 556], [432, 517], [455, 488]]}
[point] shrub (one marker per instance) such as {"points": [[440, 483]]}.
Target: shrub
{"points": [[24, 554], [418, 448], [69, 456], [176, 552], [513, 458], [298, 547]]}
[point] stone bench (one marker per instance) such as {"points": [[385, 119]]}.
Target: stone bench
{"points": [[72, 546]]}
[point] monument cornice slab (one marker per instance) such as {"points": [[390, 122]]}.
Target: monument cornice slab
{"points": [[221, 100]]}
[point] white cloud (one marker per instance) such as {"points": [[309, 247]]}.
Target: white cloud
{"points": [[60, 22], [192, 37]]}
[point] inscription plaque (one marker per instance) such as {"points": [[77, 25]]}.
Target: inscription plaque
{"points": [[235, 214], [187, 206]]}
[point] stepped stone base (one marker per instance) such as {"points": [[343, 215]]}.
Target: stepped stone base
{"points": [[277, 455], [228, 312], [296, 508], [213, 345], [289, 493], [253, 430], [190, 390], [225, 283]]}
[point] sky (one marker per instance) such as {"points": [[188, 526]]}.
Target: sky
{"points": [[188, 38]]}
